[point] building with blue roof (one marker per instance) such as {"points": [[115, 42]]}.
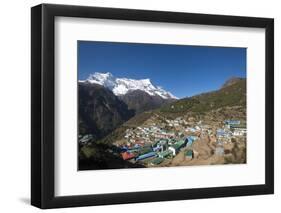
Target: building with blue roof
{"points": [[147, 155], [232, 122], [189, 140]]}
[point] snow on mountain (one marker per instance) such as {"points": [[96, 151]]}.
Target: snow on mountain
{"points": [[105, 79], [121, 86]]}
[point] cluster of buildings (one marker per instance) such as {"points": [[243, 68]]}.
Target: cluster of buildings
{"points": [[144, 135], [158, 143], [153, 143], [176, 122], [158, 151], [232, 128]]}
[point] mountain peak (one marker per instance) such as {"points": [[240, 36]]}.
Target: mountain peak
{"points": [[100, 76], [231, 81], [146, 81], [104, 79], [121, 86]]}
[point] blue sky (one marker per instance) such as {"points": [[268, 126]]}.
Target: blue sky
{"points": [[183, 70]]}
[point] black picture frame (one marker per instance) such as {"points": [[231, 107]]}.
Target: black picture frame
{"points": [[43, 117]]}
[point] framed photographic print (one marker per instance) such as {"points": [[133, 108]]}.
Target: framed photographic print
{"points": [[139, 106]]}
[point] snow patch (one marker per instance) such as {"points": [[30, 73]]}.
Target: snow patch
{"points": [[121, 86]]}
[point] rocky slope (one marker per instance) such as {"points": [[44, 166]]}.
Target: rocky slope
{"points": [[141, 101], [100, 111], [105, 102]]}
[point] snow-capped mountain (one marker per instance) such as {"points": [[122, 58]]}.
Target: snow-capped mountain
{"points": [[121, 86]]}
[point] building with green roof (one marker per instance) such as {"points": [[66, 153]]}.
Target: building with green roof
{"points": [[175, 148], [189, 154], [165, 154], [157, 161]]}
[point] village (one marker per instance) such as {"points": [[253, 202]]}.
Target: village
{"points": [[181, 142]]}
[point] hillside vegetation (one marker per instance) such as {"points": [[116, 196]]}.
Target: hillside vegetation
{"points": [[232, 95]]}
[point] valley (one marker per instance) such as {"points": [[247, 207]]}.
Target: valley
{"points": [[133, 124]]}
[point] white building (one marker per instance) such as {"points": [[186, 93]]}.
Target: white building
{"points": [[239, 132]]}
